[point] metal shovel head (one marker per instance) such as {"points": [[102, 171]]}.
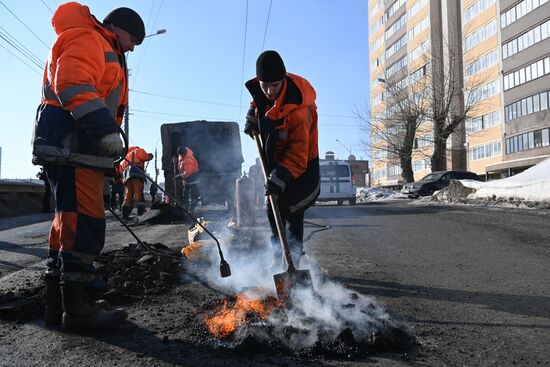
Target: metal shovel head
{"points": [[287, 281], [225, 270]]}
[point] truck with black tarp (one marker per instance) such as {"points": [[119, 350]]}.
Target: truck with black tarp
{"points": [[217, 148]]}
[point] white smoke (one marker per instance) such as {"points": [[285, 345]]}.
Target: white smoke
{"points": [[323, 312]]}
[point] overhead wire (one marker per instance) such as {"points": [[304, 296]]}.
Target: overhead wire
{"points": [[46, 5], [20, 47], [23, 23], [23, 62], [267, 23], [244, 54]]}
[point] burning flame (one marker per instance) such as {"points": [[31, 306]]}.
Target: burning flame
{"points": [[190, 251], [229, 319]]}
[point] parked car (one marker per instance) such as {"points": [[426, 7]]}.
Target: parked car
{"points": [[337, 182], [435, 181]]}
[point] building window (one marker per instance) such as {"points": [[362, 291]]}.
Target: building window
{"points": [[483, 122], [476, 8], [519, 10], [489, 150], [396, 46], [527, 39], [416, 7], [521, 76], [526, 106], [418, 28], [480, 34], [394, 7], [396, 26], [481, 63], [527, 141]]}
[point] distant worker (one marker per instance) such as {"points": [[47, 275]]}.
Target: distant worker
{"points": [[257, 177], [284, 114], [47, 196], [188, 170], [117, 189], [134, 180], [76, 139]]}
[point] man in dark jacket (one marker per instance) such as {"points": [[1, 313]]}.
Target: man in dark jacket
{"points": [[76, 139], [284, 114]]}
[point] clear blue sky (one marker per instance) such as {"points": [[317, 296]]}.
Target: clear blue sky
{"points": [[200, 58]]}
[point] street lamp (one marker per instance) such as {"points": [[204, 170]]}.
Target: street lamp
{"points": [[160, 31], [342, 144], [127, 114]]}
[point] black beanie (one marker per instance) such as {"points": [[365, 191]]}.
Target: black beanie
{"points": [[128, 20], [182, 150], [270, 67]]}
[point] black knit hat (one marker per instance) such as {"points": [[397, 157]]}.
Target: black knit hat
{"points": [[128, 20], [270, 67], [182, 150]]}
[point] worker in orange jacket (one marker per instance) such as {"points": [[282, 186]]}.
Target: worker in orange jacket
{"points": [[76, 139], [134, 180], [284, 114], [188, 169]]}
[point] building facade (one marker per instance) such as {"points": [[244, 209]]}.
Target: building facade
{"points": [[501, 53]]}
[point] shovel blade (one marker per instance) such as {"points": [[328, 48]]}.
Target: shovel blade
{"points": [[287, 281]]}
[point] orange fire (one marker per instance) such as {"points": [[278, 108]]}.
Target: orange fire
{"points": [[190, 251], [229, 319]]}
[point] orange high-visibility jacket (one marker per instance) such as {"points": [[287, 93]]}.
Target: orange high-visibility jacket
{"points": [[288, 130], [187, 165], [84, 91], [138, 156]]}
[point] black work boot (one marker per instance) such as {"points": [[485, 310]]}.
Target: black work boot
{"points": [[81, 311], [53, 311], [126, 210], [140, 209]]}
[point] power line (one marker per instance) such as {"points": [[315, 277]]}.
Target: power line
{"points": [[17, 57], [20, 21], [244, 54], [46, 5], [183, 98], [267, 23], [219, 103], [28, 53]]}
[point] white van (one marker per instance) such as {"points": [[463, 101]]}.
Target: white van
{"points": [[337, 182]]}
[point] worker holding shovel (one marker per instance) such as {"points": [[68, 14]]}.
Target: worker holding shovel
{"points": [[284, 115], [188, 169]]}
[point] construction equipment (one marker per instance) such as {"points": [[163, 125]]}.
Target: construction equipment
{"points": [[225, 270], [292, 277]]}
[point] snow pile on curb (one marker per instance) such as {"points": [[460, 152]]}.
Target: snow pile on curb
{"points": [[365, 194], [530, 189]]}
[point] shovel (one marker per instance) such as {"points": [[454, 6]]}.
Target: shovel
{"points": [[292, 277]]}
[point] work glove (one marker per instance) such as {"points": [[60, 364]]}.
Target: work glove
{"points": [[111, 145], [274, 185], [251, 124]]}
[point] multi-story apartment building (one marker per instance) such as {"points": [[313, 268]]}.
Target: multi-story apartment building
{"points": [[504, 52], [525, 48], [406, 38]]}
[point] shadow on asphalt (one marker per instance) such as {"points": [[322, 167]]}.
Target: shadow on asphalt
{"points": [[533, 306], [25, 220], [134, 338], [374, 209]]}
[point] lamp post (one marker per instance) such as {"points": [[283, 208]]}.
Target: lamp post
{"points": [[127, 114], [342, 144]]}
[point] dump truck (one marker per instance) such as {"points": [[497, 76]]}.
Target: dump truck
{"points": [[217, 148]]}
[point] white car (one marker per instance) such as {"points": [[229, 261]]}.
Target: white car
{"points": [[337, 182]]}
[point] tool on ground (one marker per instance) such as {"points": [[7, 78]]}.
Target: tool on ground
{"points": [[140, 242], [292, 277], [225, 270]]}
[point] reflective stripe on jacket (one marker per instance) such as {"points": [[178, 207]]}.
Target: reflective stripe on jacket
{"points": [[138, 156], [84, 91]]}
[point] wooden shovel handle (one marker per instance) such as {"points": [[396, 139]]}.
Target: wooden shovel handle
{"points": [[275, 209]]}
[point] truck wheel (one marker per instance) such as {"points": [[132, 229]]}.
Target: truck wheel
{"points": [[352, 201]]}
